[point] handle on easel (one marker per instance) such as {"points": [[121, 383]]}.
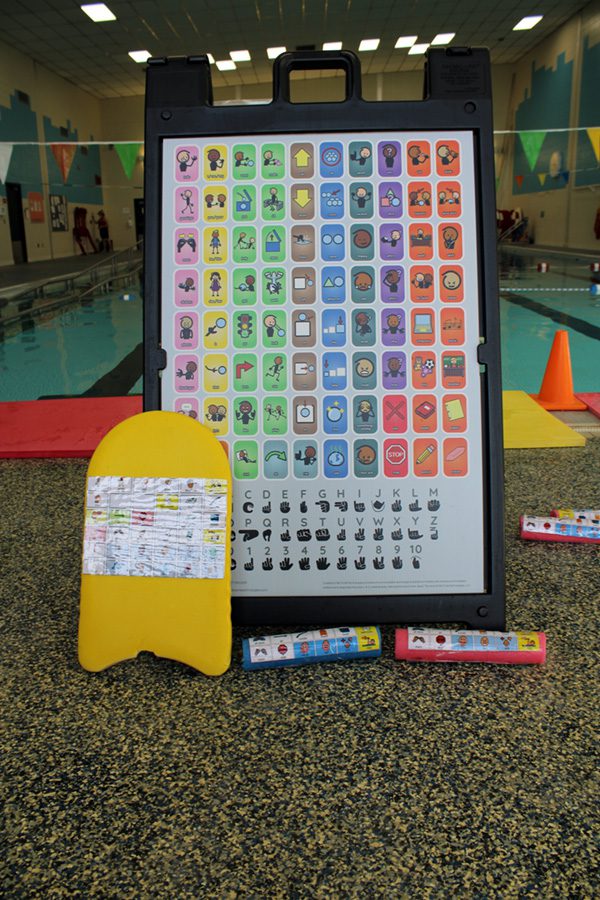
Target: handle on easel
{"points": [[316, 59]]}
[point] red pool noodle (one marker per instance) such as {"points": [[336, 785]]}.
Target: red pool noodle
{"points": [[407, 649]]}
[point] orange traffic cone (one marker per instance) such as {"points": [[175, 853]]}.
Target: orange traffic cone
{"points": [[557, 387]]}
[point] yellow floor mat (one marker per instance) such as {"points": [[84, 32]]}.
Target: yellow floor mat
{"points": [[526, 425]]}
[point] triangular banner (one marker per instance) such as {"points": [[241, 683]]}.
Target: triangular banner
{"points": [[519, 180], [594, 136], [64, 154], [128, 154], [5, 155], [532, 144], [542, 177]]}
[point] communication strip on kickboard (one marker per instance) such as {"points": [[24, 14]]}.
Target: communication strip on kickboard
{"points": [[321, 293]]}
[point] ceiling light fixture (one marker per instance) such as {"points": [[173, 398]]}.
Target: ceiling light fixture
{"points": [[417, 49], [240, 56], [368, 44], [332, 45], [406, 41], [211, 59], [527, 22], [139, 56], [99, 12], [225, 65], [441, 39], [274, 52]]}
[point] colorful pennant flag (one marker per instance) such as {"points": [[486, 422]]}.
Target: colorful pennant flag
{"points": [[64, 154], [594, 136], [542, 177], [5, 155], [532, 144], [128, 154], [519, 180]]}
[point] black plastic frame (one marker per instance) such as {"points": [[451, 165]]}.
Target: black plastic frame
{"points": [[457, 96]]}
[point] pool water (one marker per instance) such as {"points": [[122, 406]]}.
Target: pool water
{"points": [[533, 306], [70, 352]]}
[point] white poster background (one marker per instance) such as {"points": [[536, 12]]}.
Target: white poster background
{"points": [[441, 550]]}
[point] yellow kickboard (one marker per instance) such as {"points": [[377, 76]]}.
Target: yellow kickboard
{"points": [[156, 555], [528, 425]]}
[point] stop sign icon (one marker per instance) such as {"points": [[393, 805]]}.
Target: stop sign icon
{"points": [[395, 458]]}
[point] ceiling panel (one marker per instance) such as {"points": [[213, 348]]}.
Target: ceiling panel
{"points": [[94, 55]]}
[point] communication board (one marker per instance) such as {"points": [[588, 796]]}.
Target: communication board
{"points": [[322, 311]]}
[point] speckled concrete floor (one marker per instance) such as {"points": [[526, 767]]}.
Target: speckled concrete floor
{"points": [[351, 780]]}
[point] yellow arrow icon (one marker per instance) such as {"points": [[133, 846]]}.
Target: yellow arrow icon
{"points": [[302, 158], [302, 197]]}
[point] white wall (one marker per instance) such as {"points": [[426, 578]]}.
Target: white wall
{"points": [[60, 100], [557, 218]]}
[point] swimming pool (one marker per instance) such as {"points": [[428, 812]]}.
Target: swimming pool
{"points": [[90, 348], [95, 348], [534, 305]]}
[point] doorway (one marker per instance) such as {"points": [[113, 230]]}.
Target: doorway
{"points": [[16, 222], [138, 211]]}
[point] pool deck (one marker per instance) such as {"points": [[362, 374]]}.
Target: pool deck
{"points": [[572, 253], [373, 779]]}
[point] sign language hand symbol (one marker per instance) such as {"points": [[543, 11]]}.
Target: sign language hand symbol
{"points": [[322, 563]]}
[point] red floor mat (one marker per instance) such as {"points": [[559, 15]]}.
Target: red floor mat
{"points": [[592, 401], [61, 428]]}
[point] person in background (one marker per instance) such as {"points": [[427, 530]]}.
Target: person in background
{"points": [[80, 229], [103, 231]]}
